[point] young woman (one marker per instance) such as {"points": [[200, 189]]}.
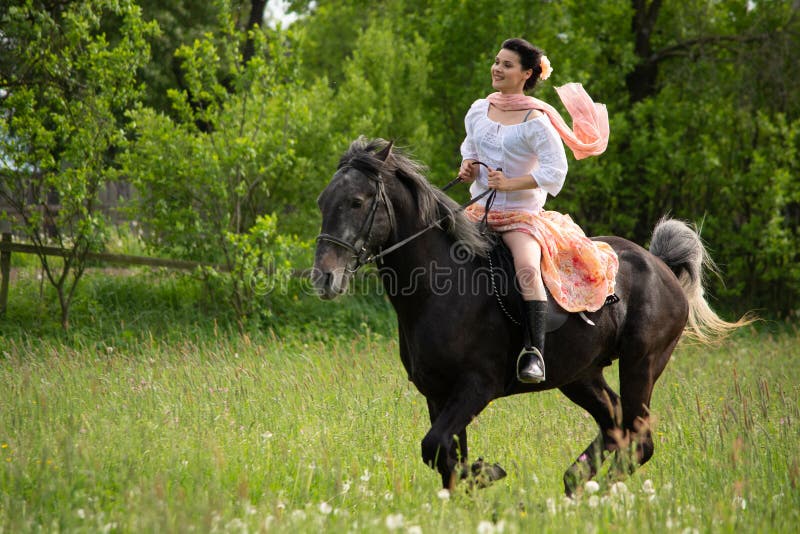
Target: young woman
{"points": [[518, 139]]}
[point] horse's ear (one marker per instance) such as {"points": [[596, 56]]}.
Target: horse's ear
{"points": [[385, 152]]}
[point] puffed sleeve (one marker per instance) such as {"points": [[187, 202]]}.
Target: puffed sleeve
{"points": [[468, 148], [551, 168]]}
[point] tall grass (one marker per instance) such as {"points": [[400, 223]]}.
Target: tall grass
{"points": [[174, 422]]}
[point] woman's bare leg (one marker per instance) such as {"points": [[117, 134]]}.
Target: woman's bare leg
{"points": [[527, 261]]}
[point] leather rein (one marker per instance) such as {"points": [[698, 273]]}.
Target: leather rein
{"points": [[359, 246]]}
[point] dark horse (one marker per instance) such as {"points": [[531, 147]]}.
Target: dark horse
{"points": [[460, 349]]}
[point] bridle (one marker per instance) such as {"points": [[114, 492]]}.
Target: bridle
{"points": [[359, 246]]}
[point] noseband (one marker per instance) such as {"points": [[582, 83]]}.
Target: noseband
{"points": [[359, 246]]}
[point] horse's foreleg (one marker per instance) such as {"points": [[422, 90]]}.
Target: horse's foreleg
{"points": [[445, 444], [458, 452], [597, 398]]}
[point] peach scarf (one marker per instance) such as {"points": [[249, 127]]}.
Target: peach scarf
{"points": [[589, 133]]}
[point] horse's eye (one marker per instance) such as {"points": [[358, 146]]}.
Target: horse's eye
{"points": [[356, 203]]}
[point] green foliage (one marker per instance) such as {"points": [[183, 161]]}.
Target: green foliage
{"points": [[385, 80], [65, 88], [261, 262], [207, 173], [703, 118], [712, 140]]}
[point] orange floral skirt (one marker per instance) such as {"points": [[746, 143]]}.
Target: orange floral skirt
{"points": [[578, 272]]}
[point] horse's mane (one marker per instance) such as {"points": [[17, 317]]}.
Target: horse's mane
{"points": [[432, 203]]}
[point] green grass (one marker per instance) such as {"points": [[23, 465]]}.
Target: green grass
{"points": [[168, 420]]}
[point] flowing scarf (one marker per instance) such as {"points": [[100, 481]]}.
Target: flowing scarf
{"points": [[589, 133]]}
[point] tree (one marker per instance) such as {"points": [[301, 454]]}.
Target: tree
{"points": [[703, 115], [209, 171], [65, 88]]}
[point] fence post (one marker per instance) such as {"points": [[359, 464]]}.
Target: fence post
{"points": [[5, 267]]}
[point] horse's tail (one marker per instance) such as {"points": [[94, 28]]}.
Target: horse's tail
{"points": [[679, 245]]}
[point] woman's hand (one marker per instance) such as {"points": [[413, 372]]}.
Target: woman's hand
{"points": [[499, 181], [468, 172]]}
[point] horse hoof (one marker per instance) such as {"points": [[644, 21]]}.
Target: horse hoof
{"points": [[482, 475]]}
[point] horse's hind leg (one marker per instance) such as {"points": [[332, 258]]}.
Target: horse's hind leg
{"points": [[637, 378], [596, 397]]}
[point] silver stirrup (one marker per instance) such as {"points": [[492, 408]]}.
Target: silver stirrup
{"points": [[538, 363]]}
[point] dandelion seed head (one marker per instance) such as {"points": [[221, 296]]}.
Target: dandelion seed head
{"points": [[298, 515], [619, 488], [394, 521], [591, 487], [443, 494]]}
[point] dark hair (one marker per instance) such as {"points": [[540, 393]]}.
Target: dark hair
{"points": [[530, 57]]}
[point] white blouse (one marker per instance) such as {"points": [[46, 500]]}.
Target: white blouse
{"points": [[532, 147]]}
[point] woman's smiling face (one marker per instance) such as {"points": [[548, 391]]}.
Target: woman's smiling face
{"points": [[507, 73]]}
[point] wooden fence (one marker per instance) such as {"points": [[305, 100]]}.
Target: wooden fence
{"points": [[7, 247]]}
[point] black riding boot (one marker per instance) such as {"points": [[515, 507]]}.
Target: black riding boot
{"points": [[530, 363]]}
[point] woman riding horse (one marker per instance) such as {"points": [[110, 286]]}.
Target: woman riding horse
{"points": [[513, 132]]}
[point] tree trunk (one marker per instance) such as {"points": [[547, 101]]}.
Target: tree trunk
{"points": [[642, 80], [257, 8]]}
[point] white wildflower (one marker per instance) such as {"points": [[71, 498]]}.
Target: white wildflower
{"points": [[648, 487], [443, 494], [366, 476], [619, 488], [80, 513], [594, 501], [394, 521], [414, 529], [591, 487], [551, 505], [485, 527], [236, 524], [325, 508]]}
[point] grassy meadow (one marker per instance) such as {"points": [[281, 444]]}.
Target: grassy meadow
{"points": [[153, 414]]}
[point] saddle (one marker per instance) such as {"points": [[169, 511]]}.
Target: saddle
{"points": [[507, 292]]}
